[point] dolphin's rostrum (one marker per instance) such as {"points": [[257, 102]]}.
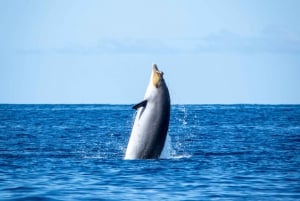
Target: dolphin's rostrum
{"points": [[151, 123]]}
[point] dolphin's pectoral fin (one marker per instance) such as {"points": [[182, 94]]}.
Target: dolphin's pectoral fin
{"points": [[141, 104]]}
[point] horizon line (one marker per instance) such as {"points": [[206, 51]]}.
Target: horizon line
{"points": [[133, 103]]}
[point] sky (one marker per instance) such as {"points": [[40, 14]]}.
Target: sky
{"points": [[211, 52]]}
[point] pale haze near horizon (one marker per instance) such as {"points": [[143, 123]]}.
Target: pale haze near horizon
{"points": [[212, 52]]}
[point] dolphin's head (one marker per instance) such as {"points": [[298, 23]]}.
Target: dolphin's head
{"points": [[157, 86], [157, 76]]}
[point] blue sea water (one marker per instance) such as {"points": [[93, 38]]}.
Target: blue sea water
{"points": [[213, 152]]}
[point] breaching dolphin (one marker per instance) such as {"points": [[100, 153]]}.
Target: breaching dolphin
{"points": [[151, 123]]}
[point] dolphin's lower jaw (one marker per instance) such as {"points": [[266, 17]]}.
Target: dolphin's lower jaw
{"points": [[151, 123]]}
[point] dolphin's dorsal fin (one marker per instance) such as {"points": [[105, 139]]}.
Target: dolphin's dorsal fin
{"points": [[141, 104]]}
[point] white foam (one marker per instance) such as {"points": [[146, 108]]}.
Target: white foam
{"points": [[182, 156]]}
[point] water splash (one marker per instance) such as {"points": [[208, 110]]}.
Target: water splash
{"points": [[168, 150], [183, 119]]}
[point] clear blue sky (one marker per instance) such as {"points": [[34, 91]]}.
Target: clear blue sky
{"points": [[102, 51]]}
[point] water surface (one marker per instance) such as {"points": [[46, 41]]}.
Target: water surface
{"points": [[214, 152]]}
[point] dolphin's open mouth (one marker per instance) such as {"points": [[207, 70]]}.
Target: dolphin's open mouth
{"points": [[157, 75]]}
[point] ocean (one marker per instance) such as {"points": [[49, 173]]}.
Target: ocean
{"points": [[213, 152]]}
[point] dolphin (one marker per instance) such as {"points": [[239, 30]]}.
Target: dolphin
{"points": [[151, 123]]}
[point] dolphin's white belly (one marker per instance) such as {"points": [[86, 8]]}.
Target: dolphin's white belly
{"points": [[142, 133]]}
